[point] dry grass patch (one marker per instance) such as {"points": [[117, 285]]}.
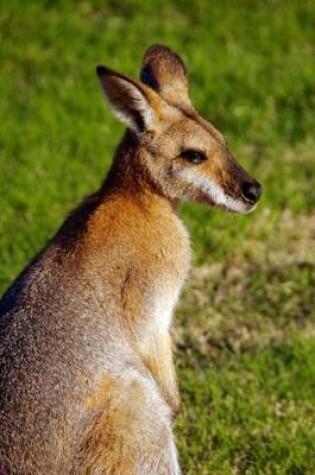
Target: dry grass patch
{"points": [[260, 293]]}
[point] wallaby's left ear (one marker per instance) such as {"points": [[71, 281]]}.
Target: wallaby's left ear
{"points": [[165, 72], [132, 102]]}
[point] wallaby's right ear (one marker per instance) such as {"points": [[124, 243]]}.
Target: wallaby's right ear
{"points": [[130, 101]]}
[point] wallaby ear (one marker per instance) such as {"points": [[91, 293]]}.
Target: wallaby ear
{"points": [[165, 72], [129, 100]]}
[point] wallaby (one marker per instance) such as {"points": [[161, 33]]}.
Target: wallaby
{"points": [[87, 379]]}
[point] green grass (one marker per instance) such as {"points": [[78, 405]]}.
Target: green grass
{"points": [[251, 408], [245, 325]]}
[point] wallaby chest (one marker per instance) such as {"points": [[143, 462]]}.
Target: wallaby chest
{"points": [[150, 248], [159, 268]]}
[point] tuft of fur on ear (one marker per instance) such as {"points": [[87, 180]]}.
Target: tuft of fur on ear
{"points": [[127, 99], [164, 71]]}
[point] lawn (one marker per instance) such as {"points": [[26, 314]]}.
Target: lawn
{"points": [[245, 325]]}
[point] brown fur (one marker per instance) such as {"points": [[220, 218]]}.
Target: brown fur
{"points": [[88, 384]]}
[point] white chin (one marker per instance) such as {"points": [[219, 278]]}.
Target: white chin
{"points": [[235, 206], [239, 206]]}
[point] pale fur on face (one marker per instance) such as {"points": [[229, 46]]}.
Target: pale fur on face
{"points": [[213, 190]]}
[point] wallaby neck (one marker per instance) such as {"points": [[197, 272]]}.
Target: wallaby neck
{"points": [[129, 177], [127, 183]]}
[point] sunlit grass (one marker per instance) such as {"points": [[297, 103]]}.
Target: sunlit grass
{"points": [[245, 325]]}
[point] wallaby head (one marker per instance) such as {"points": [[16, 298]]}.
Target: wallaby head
{"points": [[181, 154]]}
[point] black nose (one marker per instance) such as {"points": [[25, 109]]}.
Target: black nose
{"points": [[251, 191]]}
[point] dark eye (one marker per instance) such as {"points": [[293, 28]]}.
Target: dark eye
{"points": [[193, 156]]}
